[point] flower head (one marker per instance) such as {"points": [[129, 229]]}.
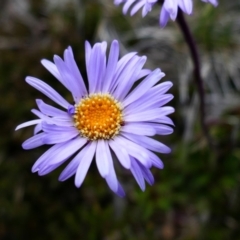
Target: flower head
{"points": [[108, 118], [169, 7]]}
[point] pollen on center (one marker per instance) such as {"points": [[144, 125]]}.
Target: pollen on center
{"points": [[98, 116]]}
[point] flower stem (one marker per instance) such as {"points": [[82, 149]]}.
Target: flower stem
{"points": [[197, 73]]}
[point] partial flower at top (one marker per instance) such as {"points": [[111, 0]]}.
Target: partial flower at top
{"points": [[106, 119], [169, 7]]}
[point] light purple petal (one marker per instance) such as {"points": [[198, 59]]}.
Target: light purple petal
{"points": [[52, 68], [144, 73], [58, 153], [151, 96], [186, 6], [111, 65], [148, 143], [88, 50], [33, 142], [48, 169], [136, 7], [54, 138], [139, 128], [146, 174], [127, 5], [164, 119], [129, 77], [48, 91], [76, 75], [137, 173], [85, 163], [135, 150], [213, 2], [37, 128], [111, 178], [120, 66], [148, 115], [29, 123], [121, 153], [144, 86], [155, 160], [96, 67], [164, 99], [120, 192], [71, 168], [66, 75], [171, 7], [52, 128], [50, 110], [42, 161], [68, 150], [164, 17], [102, 158], [161, 129]]}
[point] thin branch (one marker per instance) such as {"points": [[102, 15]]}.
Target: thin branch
{"points": [[197, 73]]}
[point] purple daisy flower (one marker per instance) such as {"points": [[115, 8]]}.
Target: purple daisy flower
{"points": [[169, 7], [108, 117]]}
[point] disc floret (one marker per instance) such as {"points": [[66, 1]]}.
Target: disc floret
{"points": [[98, 116]]}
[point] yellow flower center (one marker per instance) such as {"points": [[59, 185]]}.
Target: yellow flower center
{"points": [[99, 116]]}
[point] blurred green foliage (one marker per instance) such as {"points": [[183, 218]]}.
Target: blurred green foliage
{"points": [[196, 196]]}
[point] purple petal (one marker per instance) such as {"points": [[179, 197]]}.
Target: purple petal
{"points": [[96, 68], [186, 6], [102, 158], [135, 150], [150, 97], [111, 65], [120, 192], [155, 160], [48, 91], [111, 178], [164, 17], [144, 86], [33, 142], [139, 129], [136, 7], [137, 173], [148, 115], [164, 119], [29, 123], [213, 2], [43, 159], [58, 153], [71, 168], [148, 143], [127, 5], [52, 128], [171, 7], [68, 150], [48, 169], [50, 110], [58, 137], [146, 174], [37, 128], [69, 80], [164, 99], [51, 67], [76, 75], [161, 129], [120, 66], [84, 164], [88, 50], [129, 76], [121, 153]]}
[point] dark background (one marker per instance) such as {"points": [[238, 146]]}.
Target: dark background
{"points": [[197, 194]]}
